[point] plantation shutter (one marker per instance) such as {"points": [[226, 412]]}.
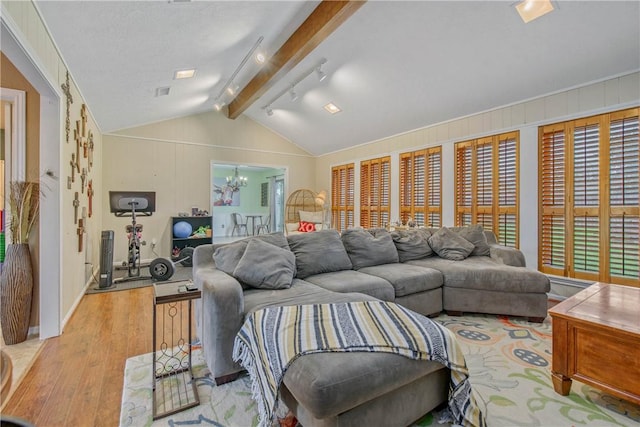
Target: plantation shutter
{"points": [[552, 200], [420, 186], [375, 177], [342, 196], [624, 200], [487, 185], [508, 175], [586, 199], [593, 233], [484, 183], [464, 194], [434, 187]]}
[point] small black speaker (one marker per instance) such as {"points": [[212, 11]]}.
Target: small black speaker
{"points": [[106, 259]]}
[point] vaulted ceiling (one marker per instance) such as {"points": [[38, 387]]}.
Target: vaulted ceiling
{"points": [[392, 66]]}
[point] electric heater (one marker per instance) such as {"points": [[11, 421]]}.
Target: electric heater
{"points": [[106, 259]]}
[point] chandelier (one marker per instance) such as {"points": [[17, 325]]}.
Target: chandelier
{"points": [[236, 181]]}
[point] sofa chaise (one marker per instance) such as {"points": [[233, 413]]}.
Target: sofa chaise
{"points": [[414, 268]]}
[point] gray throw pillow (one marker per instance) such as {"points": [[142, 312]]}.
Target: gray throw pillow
{"points": [[266, 266], [475, 234], [318, 252], [227, 256], [449, 245], [366, 249], [412, 244]]}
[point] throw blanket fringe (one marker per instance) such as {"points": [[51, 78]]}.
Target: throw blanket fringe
{"points": [[272, 338]]}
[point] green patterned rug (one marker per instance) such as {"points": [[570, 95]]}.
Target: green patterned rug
{"points": [[509, 362]]}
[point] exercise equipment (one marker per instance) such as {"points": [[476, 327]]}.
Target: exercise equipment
{"points": [[130, 204], [162, 269]]}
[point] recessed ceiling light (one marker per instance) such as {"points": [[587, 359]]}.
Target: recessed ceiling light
{"points": [[184, 74], [332, 108], [162, 91], [532, 9]]}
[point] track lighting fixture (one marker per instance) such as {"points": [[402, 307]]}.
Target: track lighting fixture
{"points": [[230, 90], [321, 74], [292, 94], [291, 89]]}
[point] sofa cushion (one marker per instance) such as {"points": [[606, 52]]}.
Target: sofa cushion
{"points": [[366, 249], [319, 252], [300, 292], [484, 273], [266, 266], [474, 234], [412, 244], [406, 279], [449, 245], [354, 281], [228, 255]]}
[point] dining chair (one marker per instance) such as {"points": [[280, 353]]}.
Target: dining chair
{"points": [[264, 225], [238, 224]]}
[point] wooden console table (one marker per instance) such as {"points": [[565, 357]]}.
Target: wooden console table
{"points": [[596, 337]]}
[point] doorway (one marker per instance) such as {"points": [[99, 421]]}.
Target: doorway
{"points": [[253, 191]]}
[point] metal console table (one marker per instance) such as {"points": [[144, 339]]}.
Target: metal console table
{"points": [[172, 367]]}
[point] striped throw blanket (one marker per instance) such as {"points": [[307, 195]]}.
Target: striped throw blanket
{"points": [[272, 338]]}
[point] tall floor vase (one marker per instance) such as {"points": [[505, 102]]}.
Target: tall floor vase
{"points": [[16, 289]]}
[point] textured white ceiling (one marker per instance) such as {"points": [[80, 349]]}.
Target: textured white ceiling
{"points": [[393, 66]]}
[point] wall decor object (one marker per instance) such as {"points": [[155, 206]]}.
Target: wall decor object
{"points": [[80, 232], [76, 204], [225, 194], [68, 183], [90, 196], [66, 88], [264, 194], [83, 177], [90, 150], [73, 167]]}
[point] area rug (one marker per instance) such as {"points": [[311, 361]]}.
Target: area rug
{"points": [[509, 362]]}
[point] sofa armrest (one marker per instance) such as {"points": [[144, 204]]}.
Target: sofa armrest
{"points": [[222, 314], [507, 255]]}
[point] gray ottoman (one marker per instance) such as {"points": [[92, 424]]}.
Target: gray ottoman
{"points": [[363, 389]]}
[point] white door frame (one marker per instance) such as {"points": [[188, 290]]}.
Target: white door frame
{"points": [[15, 150]]}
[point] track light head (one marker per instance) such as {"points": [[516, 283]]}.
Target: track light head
{"points": [[232, 89], [293, 94], [321, 74], [269, 111], [218, 105]]}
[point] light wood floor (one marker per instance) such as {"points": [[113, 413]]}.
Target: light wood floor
{"points": [[77, 378]]}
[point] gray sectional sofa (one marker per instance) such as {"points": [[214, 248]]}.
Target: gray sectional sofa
{"points": [[427, 270]]}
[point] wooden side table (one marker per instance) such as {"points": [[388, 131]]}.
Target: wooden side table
{"points": [[172, 337], [596, 336]]}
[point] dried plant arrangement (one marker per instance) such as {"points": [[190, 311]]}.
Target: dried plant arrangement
{"points": [[24, 204]]}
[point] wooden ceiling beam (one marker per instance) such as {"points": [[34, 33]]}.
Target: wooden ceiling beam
{"points": [[325, 18]]}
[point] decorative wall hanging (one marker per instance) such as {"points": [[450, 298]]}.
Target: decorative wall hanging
{"points": [[66, 88], [76, 204]]}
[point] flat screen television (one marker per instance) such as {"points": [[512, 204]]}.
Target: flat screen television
{"points": [[122, 203]]}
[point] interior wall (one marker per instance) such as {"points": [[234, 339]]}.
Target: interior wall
{"points": [[609, 95], [43, 66], [173, 158], [11, 78]]}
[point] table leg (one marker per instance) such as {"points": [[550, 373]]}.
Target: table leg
{"points": [[561, 384]]}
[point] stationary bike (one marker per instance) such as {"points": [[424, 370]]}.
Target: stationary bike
{"points": [[133, 203], [128, 206]]}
